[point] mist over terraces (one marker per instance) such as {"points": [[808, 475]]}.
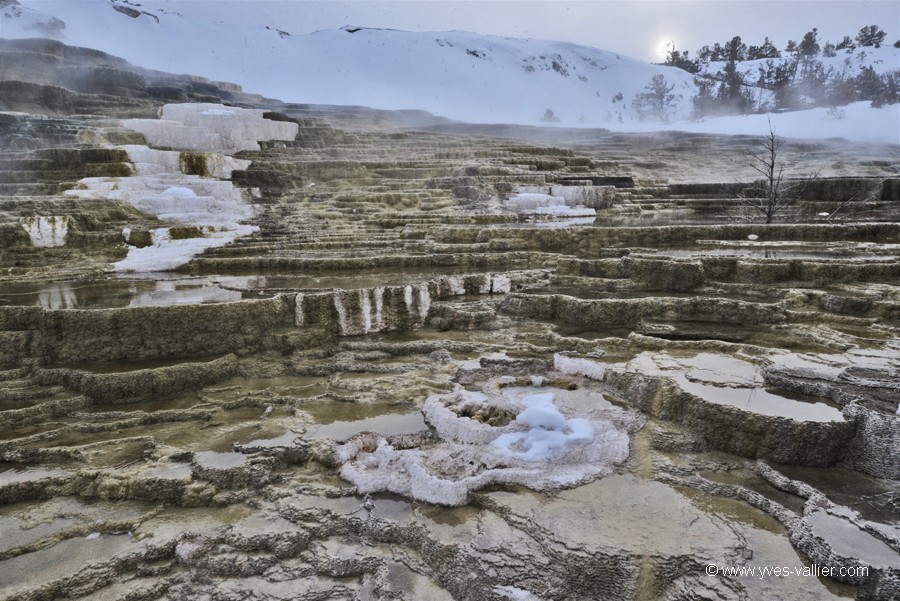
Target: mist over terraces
{"points": [[254, 349]]}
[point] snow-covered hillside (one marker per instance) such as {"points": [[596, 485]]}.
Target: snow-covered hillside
{"points": [[459, 75]]}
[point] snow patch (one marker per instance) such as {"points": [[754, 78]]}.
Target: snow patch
{"points": [[548, 431], [211, 127], [577, 366], [160, 188], [534, 203], [540, 446], [424, 301], [408, 300], [179, 192], [365, 307], [513, 593], [298, 310], [500, 284], [379, 308], [457, 288], [46, 231], [343, 323], [166, 254]]}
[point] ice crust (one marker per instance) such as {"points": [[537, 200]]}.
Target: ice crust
{"points": [[541, 448]]}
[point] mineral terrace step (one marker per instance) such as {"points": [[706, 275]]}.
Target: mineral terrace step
{"points": [[33, 189]]}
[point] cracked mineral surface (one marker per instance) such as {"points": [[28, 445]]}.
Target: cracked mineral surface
{"points": [[393, 357]]}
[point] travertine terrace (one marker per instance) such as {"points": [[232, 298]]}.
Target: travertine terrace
{"points": [[313, 352]]}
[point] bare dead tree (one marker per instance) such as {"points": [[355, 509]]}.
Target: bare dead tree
{"points": [[773, 193]]}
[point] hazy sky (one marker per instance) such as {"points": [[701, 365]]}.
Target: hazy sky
{"points": [[638, 28]]}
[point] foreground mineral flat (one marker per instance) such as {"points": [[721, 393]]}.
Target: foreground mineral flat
{"points": [[252, 350]]}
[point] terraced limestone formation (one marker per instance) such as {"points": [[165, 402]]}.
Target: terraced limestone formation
{"points": [[391, 357]]}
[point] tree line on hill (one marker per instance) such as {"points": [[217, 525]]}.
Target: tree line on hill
{"points": [[789, 79]]}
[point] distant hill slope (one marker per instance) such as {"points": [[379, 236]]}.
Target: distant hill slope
{"points": [[460, 75], [845, 64]]}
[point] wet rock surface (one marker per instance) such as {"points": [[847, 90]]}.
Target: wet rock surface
{"points": [[398, 384]]}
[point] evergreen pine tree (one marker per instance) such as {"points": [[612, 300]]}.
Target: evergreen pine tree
{"points": [[677, 58], [809, 45], [845, 44], [782, 80], [656, 101], [768, 50], [870, 35], [704, 102], [868, 84]]}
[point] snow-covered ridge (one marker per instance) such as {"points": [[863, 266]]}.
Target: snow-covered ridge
{"points": [[459, 75], [456, 74]]}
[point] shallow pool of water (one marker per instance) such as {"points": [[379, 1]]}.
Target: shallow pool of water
{"points": [[158, 290], [167, 289], [385, 425], [725, 380], [871, 497]]}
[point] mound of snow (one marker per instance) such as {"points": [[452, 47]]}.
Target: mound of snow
{"points": [[540, 446], [534, 203], [548, 431]]}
